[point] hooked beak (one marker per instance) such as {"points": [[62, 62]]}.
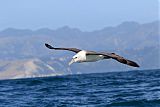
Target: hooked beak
{"points": [[71, 62]]}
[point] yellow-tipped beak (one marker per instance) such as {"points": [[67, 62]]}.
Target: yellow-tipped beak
{"points": [[71, 62]]}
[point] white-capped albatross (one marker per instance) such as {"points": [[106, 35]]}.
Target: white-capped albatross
{"points": [[92, 56]]}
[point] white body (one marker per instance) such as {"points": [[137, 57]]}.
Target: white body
{"points": [[82, 57]]}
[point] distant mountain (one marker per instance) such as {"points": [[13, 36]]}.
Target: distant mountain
{"points": [[18, 47], [34, 67]]}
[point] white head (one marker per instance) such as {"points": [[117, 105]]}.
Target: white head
{"points": [[79, 57]]}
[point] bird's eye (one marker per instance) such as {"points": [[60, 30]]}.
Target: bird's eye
{"points": [[75, 57]]}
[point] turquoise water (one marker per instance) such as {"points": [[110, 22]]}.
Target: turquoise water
{"points": [[114, 89]]}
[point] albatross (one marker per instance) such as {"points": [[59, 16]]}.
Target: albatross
{"points": [[92, 56]]}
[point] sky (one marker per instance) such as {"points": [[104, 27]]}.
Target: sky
{"points": [[87, 15]]}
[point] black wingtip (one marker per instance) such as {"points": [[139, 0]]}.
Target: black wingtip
{"points": [[134, 64], [137, 65], [46, 45], [49, 46], [128, 62]]}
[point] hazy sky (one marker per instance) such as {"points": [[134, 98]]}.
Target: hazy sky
{"points": [[84, 14]]}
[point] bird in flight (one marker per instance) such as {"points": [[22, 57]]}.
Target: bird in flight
{"points": [[92, 56]]}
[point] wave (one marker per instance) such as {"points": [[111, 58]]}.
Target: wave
{"points": [[137, 103]]}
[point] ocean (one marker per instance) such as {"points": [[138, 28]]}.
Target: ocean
{"points": [[139, 88]]}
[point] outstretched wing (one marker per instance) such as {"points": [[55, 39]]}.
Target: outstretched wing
{"points": [[69, 49], [116, 57], [123, 60]]}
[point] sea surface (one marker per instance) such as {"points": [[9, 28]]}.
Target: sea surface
{"points": [[114, 89]]}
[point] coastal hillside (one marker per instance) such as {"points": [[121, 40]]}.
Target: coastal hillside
{"points": [[23, 54]]}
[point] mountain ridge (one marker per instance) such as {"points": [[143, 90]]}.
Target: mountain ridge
{"points": [[135, 41]]}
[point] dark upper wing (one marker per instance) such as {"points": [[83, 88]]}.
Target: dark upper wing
{"points": [[69, 49], [114, 56], [123, 60]]}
